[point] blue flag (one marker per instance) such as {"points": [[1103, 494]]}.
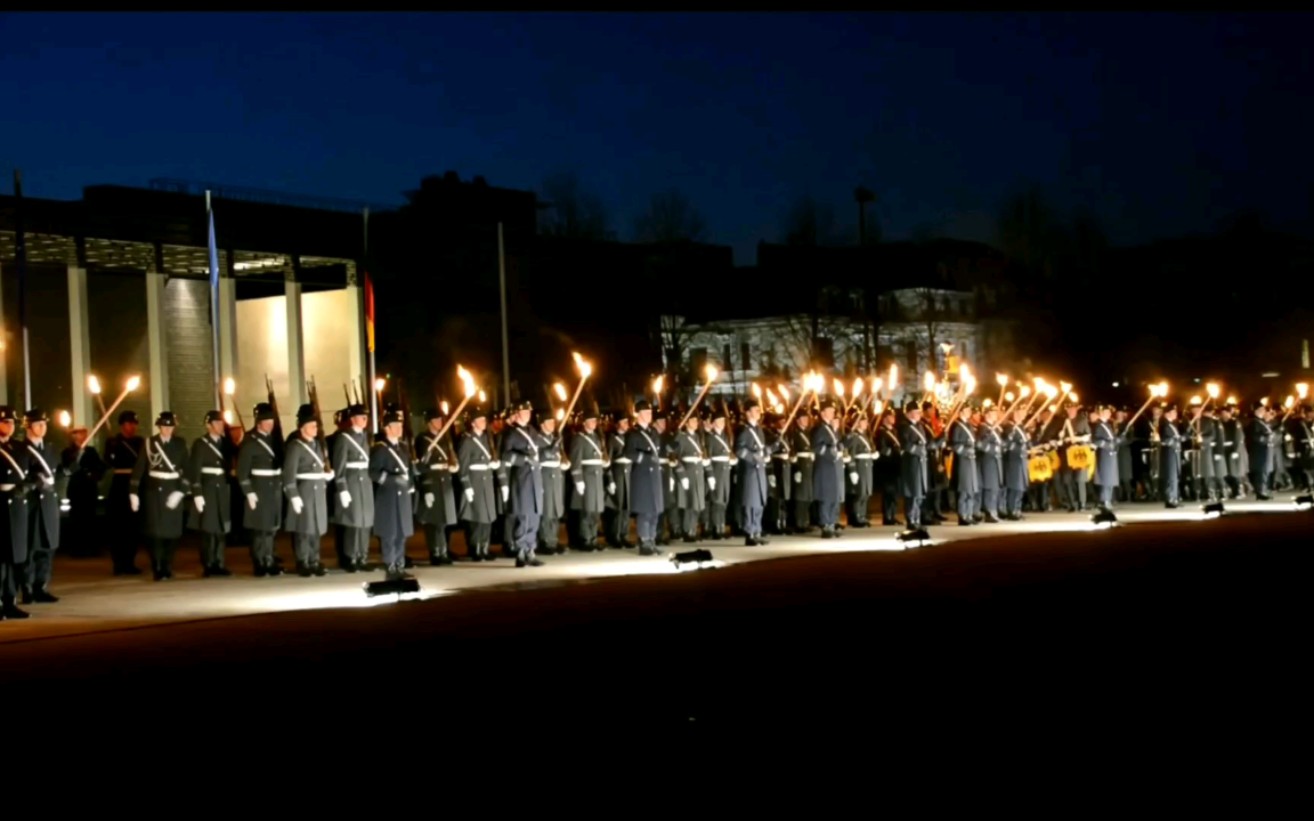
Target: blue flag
{"points": [[214, 299]]}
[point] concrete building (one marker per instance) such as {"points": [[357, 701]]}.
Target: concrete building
{"points": [[117, 285]]}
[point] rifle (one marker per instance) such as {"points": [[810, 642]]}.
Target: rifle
{"points": [[319, 419], [278, 420]]}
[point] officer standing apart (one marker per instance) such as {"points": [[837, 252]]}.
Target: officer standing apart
{"points": [[121, 454], [435, 506], [754, 458], [644, 451], [159, 485], [523, 491], [42, 510], [306, 475], [393, 477], [588, 467], [355, 510], [212, 506], [14, 482], [259, 475], [828, 471]]}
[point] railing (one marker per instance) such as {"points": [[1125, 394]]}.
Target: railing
{"points": [[231, 192]]}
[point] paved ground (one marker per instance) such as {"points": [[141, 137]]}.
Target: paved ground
{"points": [[93, 601]]}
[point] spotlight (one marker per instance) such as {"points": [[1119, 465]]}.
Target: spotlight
{"points": [[913, 534], [1104, 518], [1305, 501], [392, 587], [1213, 509], [694, 560]]}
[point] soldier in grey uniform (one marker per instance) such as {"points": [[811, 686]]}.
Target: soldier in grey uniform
{"points": [[1126, 476], [1302, 442], [1017, 456], [84, 468], [779, 474], [990, 463], [753, 454], [800, 442], [914, 444], [588, 477], [720, 452], [888, 466], [616, 518], [159, 485], [1073, 430], [554, 464], [121, 454], [1108, 445], [306, 474], [15, 480], [643, 449], [393, 474], [211, 512], [260, 475], [524, 473], [435, 504], [42, 510], [966, 475], [355, 498], [828, 470], [1208, 435], [344, 559], [1170, 457], [691, 472], [859, 454], [1259, 438], [478, 505], [1231, 446]]}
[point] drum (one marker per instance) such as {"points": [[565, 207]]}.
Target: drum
{"points": [[1081, 457], [949, 465], [1054, 461], [1039, 469]]}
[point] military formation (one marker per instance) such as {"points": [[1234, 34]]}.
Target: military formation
{"points": [[522, 479]]}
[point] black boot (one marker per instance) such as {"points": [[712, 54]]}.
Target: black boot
{"points": [[9, 611]]}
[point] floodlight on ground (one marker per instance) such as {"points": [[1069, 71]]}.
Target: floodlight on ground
{"points": [[1103, 518], [700, 559], [1305, 501], [1213, 509], [392, 587], [913, 534]]}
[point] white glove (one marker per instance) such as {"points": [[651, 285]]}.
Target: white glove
{"points": [[771, 480], [174, 500], [297, 505], [199, 501], [252, 500], [134, 501], [579, 488], [853, 478], [711, 483], [798, 477], [684, 483], [469, 494], [611, 488], [428, 500], [454, 469], [345, 498], [506, 493], [49, 480]]}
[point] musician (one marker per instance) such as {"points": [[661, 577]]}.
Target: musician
{"points": [[306, 474], [478, 505], [554, 486], [259, 476], [1259, 440], [966, 477], [211, 505], [1108, 444], [754, 454], [157, 488], [801, 485], [616, 518], [1170, 457], [990, 463], [644, 452], [914, 444], [888, 466], [1074, 429], [780, 483], [828, 470], [1017, 468], [859, 455], [588, 475], [691, 472]]}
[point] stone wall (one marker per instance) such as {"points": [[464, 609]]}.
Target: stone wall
{"points": [[189, 347]]}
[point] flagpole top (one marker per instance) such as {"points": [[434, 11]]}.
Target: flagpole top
{"points": [[207, 199]]}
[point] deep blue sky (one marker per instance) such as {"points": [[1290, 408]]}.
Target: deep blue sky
{"points": [[1161, 124]]}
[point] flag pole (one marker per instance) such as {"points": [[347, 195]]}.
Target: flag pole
{"points": [[506, 349], [214, 303], [369, 318], [20, 253]]}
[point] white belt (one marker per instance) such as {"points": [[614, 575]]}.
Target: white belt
{"points": [[590, 461], [159, 474], [720, 458], [784, 457], [357, 465], [439, 466], [213, 471], [124, 471], [806, 455], [7, 488], [864, 456], [692, 459], [477, 467], [311, 477], [622, 461], [265, 472], [556, 464]]}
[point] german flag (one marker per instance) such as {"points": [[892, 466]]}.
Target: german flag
{"points": [[369, 311]]}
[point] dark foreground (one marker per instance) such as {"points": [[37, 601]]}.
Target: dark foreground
{"points": [[1179, 635]]}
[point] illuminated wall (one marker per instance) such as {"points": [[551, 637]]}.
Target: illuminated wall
{"points": [[329, 331]]}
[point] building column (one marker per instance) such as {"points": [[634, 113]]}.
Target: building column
{"points": [[227, 364], [4, 346], [79, 345], [296, 354], [159, 374], [357, 357]]}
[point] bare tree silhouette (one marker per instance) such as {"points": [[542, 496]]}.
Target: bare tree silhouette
{"points": [[670, 218], [574, 213]]}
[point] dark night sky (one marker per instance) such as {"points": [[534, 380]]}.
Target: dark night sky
{"points": [[1161, 124]]}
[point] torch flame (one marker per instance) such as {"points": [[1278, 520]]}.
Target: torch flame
{"points": [[1231, 400], [1213, 390], [93, 384], [134, 383], [656, 384], [228, 417], [989, 403], [1072, 397], [561, 414], [444, 407], [757, 391], [483, 397], [970, 383], [858, 386], [894, 377], [1024, 391], [711, 372], [1196, 400], [1065, 386], [876, 384], [784, 390], [65, 419], [838, 387], [585, 369], [560, 390], [379, 384], [1008, 396], [1302, 390], [1051, 391], [229, 386], [1291, 400], [467, 381], [928, 381], [1002, 379]]}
